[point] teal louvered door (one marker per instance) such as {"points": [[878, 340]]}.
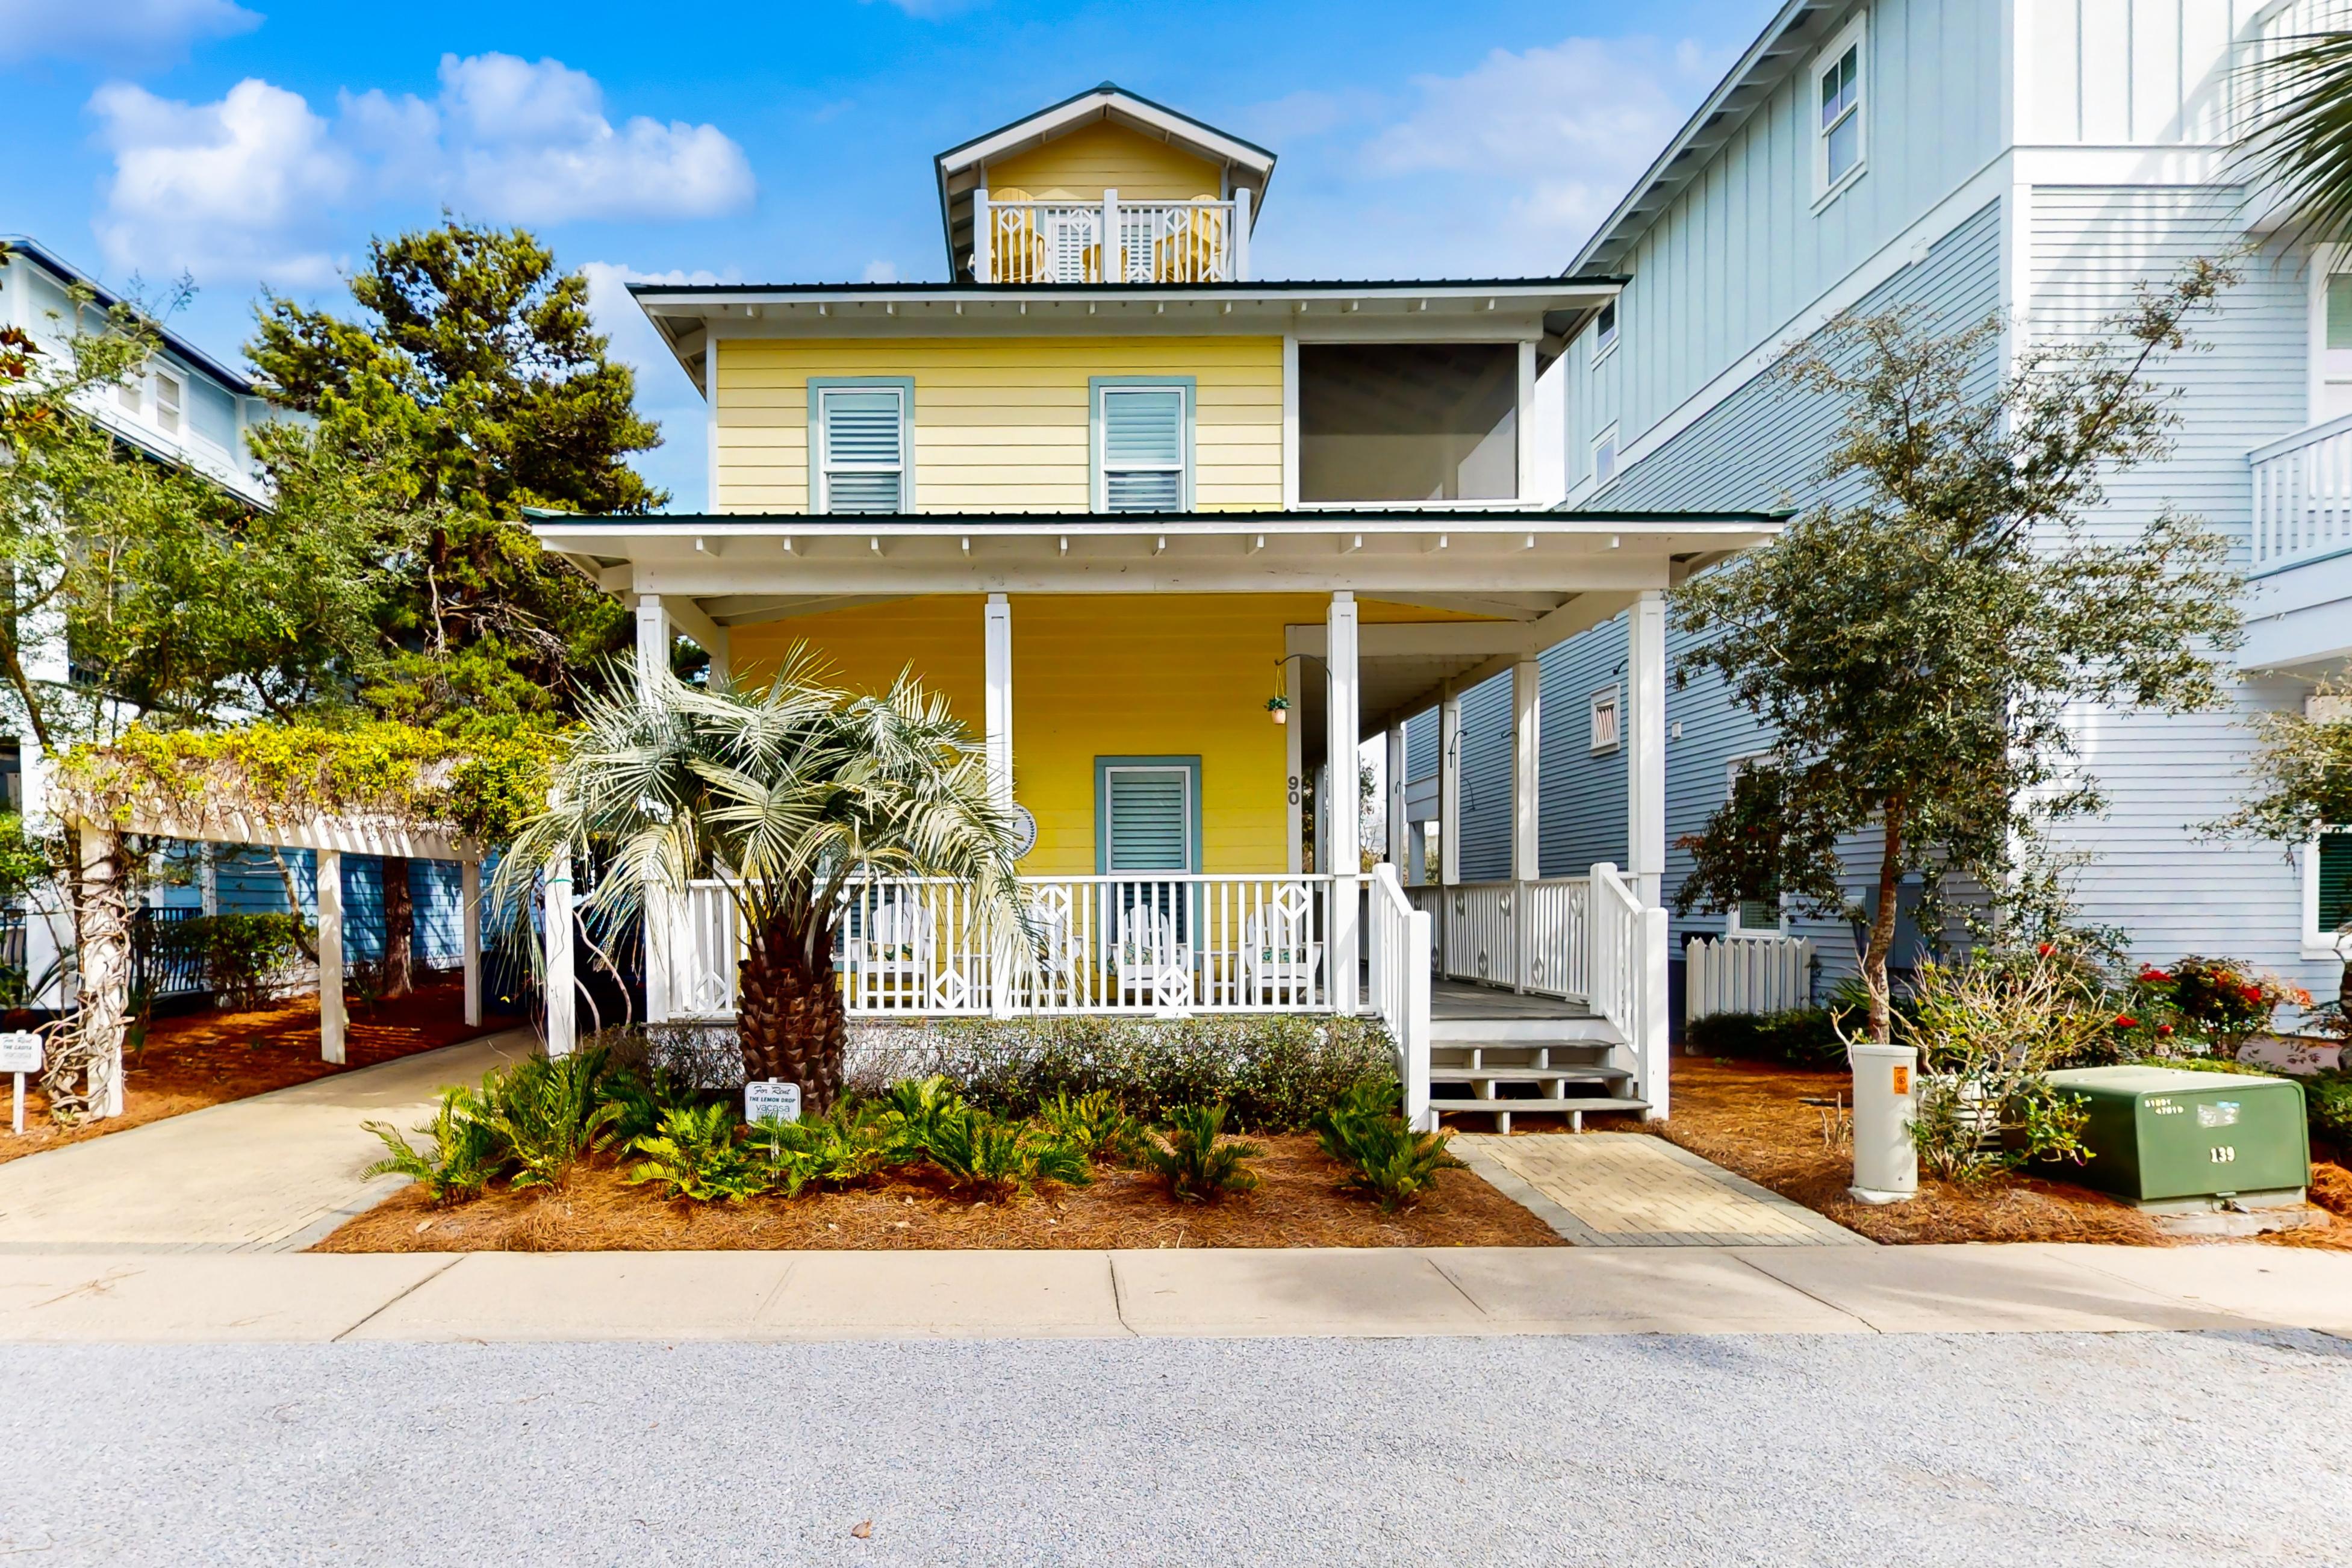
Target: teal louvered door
{"points": [[1150, 825], [1143, 448], [862, 432], [2334, 880]]}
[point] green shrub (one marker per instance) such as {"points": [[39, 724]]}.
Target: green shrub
{"points": [[549, 1112], [847, 1142], [1272, 1073], [1386, 1159], [641, 1096], [1801, 1036], [463, 1153], [238, 953], [2328, 1100], [695, 1155], [1094, 1124], [976, 1149], [1197, 1161]]}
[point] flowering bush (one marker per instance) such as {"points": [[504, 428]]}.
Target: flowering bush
{"points": [[2215, 1004]]}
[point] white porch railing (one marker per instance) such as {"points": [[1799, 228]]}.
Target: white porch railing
{"points": [[913, 947], [1203, 241], [2302, 494], [1397, 945], [1745, 974]]}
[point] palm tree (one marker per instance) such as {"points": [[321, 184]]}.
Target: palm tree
{"points": [[786, 794], [2298, 130]]}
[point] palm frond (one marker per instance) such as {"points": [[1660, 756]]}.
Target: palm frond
{"points": [[2298, 130]]}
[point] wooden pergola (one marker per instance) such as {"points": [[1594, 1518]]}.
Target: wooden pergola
{"points": [[105, 968]]}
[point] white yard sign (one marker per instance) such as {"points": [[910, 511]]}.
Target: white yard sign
{"points": [[772, 1100], [20, 1053]]}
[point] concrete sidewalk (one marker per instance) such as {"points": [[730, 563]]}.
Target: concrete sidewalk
{"points": [[756, 1296], [276, 1170]]}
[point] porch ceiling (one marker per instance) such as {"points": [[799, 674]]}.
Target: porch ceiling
{"points": [[1522, 565]]}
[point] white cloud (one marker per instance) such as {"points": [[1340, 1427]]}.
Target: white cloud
{"points": [[1504, 169], [240, 188], [234, 186], [122, 34], [881, 272]]}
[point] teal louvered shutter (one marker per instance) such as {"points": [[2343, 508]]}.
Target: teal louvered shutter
{"points": [[1143, 448], [2334, 880], [863, 433], [1150, 825]]}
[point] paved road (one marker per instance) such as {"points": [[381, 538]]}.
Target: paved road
{"points": [[2082, 1450]]}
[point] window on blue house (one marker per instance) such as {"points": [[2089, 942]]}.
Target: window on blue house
{"points": [[1838, 82], [2335, 876]]}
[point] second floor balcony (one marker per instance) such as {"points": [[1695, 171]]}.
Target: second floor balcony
{"points": [[1018, 239]]}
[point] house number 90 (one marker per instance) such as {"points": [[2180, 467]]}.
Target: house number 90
{"points": [[1294, 789]]}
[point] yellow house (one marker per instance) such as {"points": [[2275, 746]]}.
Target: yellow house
{"points": [[1173, 540]]}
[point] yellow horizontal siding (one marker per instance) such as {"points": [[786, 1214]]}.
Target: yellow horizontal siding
{"points": [[1096, 676], [1105, 157], [1000, 424]]}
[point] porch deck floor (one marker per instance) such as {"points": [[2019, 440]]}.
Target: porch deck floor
{"points": [[1458, 1000]]}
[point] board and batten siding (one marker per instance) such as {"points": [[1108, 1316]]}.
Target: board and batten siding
{"points": [[2113, 73], [1000, 423], [1744, 248], [2150, 868]]}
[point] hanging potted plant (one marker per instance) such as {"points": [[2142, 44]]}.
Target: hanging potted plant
{"points": [[1279, 706]]}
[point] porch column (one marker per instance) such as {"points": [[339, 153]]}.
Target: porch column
{"points": [[556, 938], [1645, 750], [1449, 787], [1294, 749], [653, 643], [469, 934], [998, 658], [1345, 798], [329, 882], [1526, 768], [1399, 831]]}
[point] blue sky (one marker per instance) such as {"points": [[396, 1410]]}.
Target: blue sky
{"points": [[253, 143]]}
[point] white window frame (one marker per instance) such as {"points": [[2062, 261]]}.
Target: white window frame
{"points": [[820, 471], [2316, 944], [1608, 700], [1102, 390], [1606, 439], [1732, 924], [131, 394], [1853, 35], [172, 410], [1607, 324]]}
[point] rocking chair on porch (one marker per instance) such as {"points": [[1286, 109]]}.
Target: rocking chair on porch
{"points": [[1280, 959], [1152, 965], [892, 961]]}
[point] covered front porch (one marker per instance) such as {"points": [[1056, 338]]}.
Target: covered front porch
{"points": [[1192, 846]]}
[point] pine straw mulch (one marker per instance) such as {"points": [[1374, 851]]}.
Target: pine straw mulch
{"points": [[1297, 1204], [209, 1058], [1751, 1117]]}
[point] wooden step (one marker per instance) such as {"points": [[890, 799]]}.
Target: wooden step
{"points": [[1522, 1031], [1574, 1108], [1568, 1053], [1587, 1072]]}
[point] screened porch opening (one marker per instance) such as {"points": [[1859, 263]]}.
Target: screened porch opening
{"points": [[1408, 422]]}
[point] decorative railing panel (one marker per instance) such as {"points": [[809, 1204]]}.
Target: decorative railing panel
{"points": [[2302, 495], [1152, 242]]}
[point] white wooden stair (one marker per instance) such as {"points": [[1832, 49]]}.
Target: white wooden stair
{"points": [[1509, 1067]]}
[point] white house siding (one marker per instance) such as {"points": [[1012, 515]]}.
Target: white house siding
{"points": [[1742, 252], [2131, 72], [2153, 871]]}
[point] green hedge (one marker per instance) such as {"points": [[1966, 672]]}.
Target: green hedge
{"points": [[1801, 1036], [1274, 1073]]}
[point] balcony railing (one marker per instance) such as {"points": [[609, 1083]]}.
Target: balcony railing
{"points": [[2302, 495], [1201, 241]]}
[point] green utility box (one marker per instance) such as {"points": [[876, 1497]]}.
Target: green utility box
{"points": [[2168, 1138]]}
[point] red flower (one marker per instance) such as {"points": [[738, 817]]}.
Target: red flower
{"points": [[2046, 950], [2152, 976], [2164, 1028], [2252, 994], [2126, 1021]]}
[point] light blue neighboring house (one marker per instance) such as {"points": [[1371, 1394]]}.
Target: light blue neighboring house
{"points": [[2039, 159]]}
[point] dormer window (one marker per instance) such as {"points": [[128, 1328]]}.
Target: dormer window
{"points": [[1143, 445], [1604, 329], [167, 403], [858, 439]]}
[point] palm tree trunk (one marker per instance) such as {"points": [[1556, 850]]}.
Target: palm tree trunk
{"points": [[790, 1016]]}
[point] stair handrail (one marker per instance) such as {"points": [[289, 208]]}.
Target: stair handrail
{"points": [[1628, 979], [1398, 972]]}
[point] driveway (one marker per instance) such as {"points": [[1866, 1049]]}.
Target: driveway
{"points": [[273, 1172]]}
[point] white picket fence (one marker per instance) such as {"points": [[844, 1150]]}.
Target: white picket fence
{"points": [[1745, 975]]}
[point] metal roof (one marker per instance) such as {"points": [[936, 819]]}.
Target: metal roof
{"points": [[235, 381]]}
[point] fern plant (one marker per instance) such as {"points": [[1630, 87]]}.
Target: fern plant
{"points": [[1386, 1159], [845, 1144], [1093, 1124], [1199, 1163], [695, 1155], [463, 1152], [551, 1113]]}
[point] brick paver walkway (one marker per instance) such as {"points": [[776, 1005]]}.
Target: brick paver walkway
{"points": [[1629, 1189]]}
